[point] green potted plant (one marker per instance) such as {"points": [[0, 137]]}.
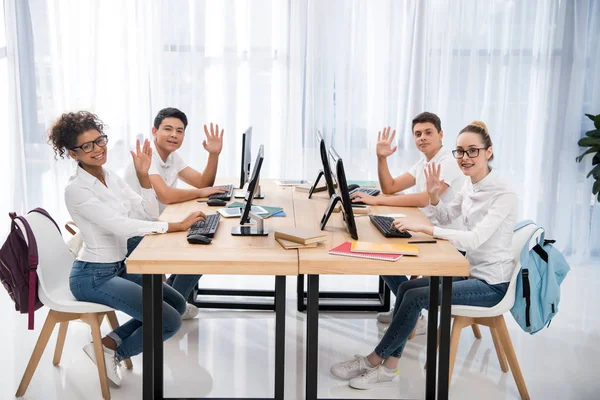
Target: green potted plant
{"points": [[592, 140]]}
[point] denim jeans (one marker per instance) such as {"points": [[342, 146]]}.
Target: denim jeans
{"points": [[394, 281], [183, 284], [111, 285], [413, 296]]}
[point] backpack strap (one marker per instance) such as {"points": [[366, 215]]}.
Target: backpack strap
{"points": [[32, 257], [40, 210]]}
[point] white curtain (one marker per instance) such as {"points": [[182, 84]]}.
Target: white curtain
{"points": [[529, 69]]}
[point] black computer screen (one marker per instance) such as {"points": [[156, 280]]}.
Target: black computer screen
{"points": [[246, 156], [326, 167], [343, 193], [253, 185]]}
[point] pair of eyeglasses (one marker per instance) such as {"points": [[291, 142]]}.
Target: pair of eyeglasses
{"points": [[88, 147], [472, 152]]}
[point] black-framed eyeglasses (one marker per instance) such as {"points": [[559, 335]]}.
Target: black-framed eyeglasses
{"points": [[87, 147], [472, 152]]}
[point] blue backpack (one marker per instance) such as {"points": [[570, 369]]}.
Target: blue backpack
{"points": [[543, 268]]}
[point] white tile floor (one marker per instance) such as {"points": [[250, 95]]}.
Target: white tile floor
{"points": [[229, 354]]}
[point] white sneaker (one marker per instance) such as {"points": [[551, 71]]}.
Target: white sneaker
{"points": [[190, 311], [385, 317], [421, 328], [113, 365], [375, 377], [351, 369]]}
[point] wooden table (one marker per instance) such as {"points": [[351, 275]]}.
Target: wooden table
{"points": [[226, 255], [435, 260]]}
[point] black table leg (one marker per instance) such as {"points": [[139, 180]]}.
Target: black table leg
{"points": [[312, 337], [152, 374], [445, 338], [434, 283], [279, 337]]}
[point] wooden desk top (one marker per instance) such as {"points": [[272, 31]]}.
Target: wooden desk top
{"points": [[440, 259], [232, 255], [242, 255]]}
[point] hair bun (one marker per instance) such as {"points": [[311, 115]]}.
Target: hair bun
{"points": [[480, 124]]}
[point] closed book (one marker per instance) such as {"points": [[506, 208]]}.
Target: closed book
{"points": [[306, 188], [288, 245], [302, 236], [385, 248], [345, 248]]}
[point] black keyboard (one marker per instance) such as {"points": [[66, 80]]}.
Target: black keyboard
{"points": [[206, 228], [384, 224], [223, 196], [369, 191]]}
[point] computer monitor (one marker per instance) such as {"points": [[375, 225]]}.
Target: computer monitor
{"points": [[246, 156], [253, 187], [342, 194], [326, 171]]}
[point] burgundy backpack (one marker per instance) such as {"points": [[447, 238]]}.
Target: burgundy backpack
{"points": [[18, 265]]}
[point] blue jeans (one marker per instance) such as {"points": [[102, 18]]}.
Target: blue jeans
{"points": [[394, 281], [183, 284], [413, 296], [111, 285]]}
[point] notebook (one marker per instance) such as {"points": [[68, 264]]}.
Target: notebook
{"points": [[386, 248], [344, 249], [302, 236], [286, 244]]}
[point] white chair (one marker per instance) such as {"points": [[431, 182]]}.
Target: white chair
{"points": [[54, 267], [493, 317]]}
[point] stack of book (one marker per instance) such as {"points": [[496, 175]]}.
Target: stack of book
{"points": [[294, 238]]}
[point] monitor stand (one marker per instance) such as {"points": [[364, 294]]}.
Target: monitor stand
{"points": [[333, 201], [314, 186], [256, 230], [241, 194]]}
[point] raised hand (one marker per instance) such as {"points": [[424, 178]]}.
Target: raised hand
{"points": [[214, 142], [434, 183], [142, 158], [384, 143]]}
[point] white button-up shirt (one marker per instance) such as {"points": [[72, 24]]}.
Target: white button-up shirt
{"points": [[488, 209], [103, 215], [449, 172]]}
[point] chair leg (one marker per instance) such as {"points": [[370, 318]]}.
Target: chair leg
{"points": [[511, 356], [38, 350], [499, 349], [94, 321], [476, 331], [60, 342], [457, 326], [114, 324], [412, 334]]}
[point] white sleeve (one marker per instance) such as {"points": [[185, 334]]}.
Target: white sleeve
{"points": [[471, 240], [450, 172], [446, 213], [178, 162], [154, 165], [83, 202], [413, 169]]}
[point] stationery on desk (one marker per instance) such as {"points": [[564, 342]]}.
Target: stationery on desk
{"points": [[301, 236], [385, 248], [289, 245], [270, 211], [345, 249]]}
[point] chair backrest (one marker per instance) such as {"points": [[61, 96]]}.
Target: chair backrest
{"points": [[54, 261], [519, 241]]}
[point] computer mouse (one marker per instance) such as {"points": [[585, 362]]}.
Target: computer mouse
{"points": [[198, 239], [352, 186], [216, 202]]}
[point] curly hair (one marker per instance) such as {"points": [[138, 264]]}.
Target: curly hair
{"points": [[62, 136]]}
